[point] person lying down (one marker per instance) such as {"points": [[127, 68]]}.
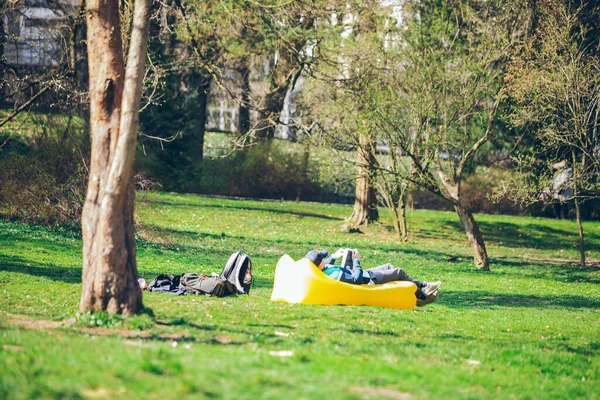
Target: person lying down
{"points": [[350, 271]]}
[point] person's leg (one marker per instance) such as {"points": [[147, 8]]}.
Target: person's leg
{"points": [[388, 273]]}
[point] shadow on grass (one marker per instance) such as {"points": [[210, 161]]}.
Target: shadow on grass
{"points": [[220, 333], [560, 271], [157, 234], [255, 243], [241, 208], [483, 299], [48, 270], [528, 236]]}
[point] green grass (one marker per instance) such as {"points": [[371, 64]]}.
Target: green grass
{"points": [[528, 329]]}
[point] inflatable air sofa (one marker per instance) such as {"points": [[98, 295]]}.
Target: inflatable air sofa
{"points": [[302, 282]]}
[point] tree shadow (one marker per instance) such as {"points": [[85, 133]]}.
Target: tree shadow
{"points": [[182, 204], [249, 241], [221, 330], [529, 236], [48, 270], [560, 271], [489, 300]]}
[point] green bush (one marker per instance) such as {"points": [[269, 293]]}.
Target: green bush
{"points": [[277, 169], [44, 182]]}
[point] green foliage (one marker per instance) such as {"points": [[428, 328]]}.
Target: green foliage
{"points": [[271, 169], [44, 175], [100, 319], [554, 81], [526, 330]]}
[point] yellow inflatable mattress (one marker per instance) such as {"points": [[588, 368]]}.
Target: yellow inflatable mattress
{"points": [[302, 282]]}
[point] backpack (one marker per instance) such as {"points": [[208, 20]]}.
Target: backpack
{"points": [[236, 278], [237, 273], [203, 284]]}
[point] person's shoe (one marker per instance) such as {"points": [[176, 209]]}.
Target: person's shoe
{"points": [[430, 287], [428, 300]]}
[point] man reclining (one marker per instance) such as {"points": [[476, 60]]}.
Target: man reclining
{"points": [[352, 272]]}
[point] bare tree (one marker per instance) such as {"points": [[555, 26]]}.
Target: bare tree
{"points": [[555, 83], [109, 259], [365, 201]]}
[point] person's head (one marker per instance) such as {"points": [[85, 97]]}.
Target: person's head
{"points": [[317, 257]]}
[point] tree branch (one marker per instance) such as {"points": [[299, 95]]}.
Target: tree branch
{"points": [[482, 140], [23, 106]]}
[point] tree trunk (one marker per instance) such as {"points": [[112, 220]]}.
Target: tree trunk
{"points": [[244, 110], [576, 168], [580, 229], [403, 229], [365, 203], [475, 237], [2, 41], [109, 260], [396, 207], [194, 104], [304, 181], [195, 128]]}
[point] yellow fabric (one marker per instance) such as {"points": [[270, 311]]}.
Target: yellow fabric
{"points": [[302, 282]]}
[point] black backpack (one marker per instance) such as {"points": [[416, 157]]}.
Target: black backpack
{"points": [[237, 273]]}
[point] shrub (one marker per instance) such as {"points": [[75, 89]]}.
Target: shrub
{"points": [[43, 183]]}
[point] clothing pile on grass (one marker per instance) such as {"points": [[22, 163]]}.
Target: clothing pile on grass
{"points": [[236, 278]]}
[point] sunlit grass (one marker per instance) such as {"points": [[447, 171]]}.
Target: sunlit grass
{"points": [[527, 329]]}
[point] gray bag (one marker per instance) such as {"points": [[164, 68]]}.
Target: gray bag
{"points": [[203, 284]]}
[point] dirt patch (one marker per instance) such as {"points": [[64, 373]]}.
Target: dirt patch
{"points": [[102, 393], [382, 392], [11, 347], [124, 333], [39, 323], [21, 320]]}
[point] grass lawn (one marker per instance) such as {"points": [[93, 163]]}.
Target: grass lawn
{"points": [[530, 328]]}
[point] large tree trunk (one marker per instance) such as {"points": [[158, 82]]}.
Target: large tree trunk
{"points": [[195, 128], [244, 109], [109, 261], [195, 107], [365, 203], [475, 237]]}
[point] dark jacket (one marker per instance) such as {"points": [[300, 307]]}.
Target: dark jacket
{"points": [[355, 276]]}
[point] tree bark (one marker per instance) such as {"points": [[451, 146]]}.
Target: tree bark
{"points": [[109, 260], [403, 228], [397, 207], [576, 172], [304, 171], [195, 108], [2, 39], [581, 236], [475, 237], [365, 203], [244, 110]]}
